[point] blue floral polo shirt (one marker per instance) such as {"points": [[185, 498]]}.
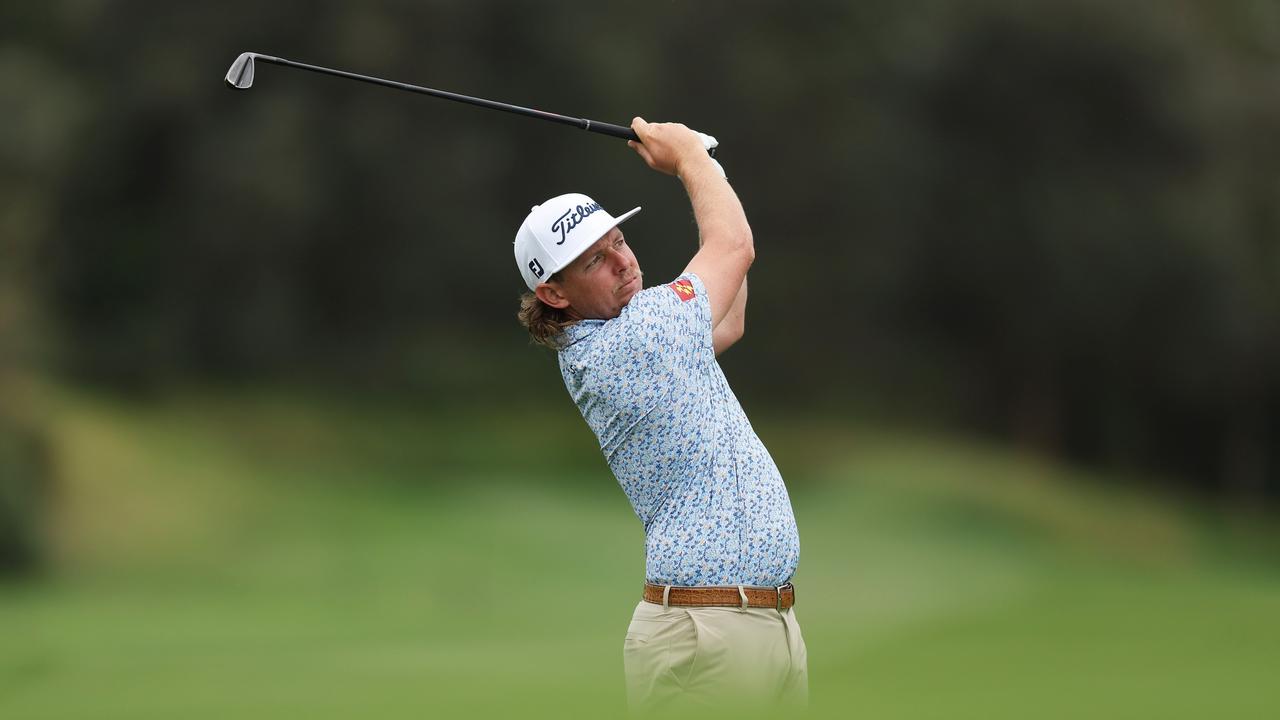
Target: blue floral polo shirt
{"points": [[714, 507]]}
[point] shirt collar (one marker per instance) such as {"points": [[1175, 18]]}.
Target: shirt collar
{"points": [[581, 330]]}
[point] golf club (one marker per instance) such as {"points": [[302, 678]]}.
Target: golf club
{"points": [[240, 77]]}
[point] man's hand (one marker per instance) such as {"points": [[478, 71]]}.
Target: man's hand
{"points": [[670, 148]]}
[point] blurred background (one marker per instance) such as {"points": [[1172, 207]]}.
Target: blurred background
{"points": [[273, 444]]}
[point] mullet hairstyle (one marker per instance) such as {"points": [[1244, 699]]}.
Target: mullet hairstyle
{"points": [[545, 324]]}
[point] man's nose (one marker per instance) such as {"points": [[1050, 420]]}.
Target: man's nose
{"points": [[619, 260]]}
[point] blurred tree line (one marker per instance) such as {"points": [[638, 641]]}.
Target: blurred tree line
{"points": [[1053, 222]]}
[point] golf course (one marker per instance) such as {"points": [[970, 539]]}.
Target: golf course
{"points": [[266, 555]]}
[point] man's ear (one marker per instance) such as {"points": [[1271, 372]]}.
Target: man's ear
{"points": [[551, 295]]}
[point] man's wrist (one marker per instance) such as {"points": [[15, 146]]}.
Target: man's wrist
{"points": [[695, 165]]}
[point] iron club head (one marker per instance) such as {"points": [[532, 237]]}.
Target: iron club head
{"points": [[240, 76]]}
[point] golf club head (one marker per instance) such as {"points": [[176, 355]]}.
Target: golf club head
{"points": [[240, 76]]}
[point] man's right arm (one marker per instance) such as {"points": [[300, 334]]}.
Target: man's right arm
{"points": [[727, 249]]}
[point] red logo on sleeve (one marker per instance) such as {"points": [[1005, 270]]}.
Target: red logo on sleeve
{"points": [[683, 290]]}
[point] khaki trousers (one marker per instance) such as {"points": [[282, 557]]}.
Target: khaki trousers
{"points": [[714, 658]]}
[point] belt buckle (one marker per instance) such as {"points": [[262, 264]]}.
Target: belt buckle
{"points": [[779, 590]]}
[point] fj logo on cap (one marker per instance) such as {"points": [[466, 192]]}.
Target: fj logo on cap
{"points": [[570, 219], [536, 267]]}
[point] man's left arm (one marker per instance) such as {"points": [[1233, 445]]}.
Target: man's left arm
{"points": [[733, 324]]}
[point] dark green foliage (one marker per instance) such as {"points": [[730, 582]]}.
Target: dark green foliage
{"points": [[1054, 222]]}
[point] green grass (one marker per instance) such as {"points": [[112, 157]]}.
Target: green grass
{"points": [[259, 556]]}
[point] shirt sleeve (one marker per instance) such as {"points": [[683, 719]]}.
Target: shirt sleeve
{"points": [[668, 321]]}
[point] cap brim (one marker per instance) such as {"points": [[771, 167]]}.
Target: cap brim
{"points": [[622, 217]]}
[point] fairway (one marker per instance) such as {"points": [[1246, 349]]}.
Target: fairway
{"points": [[274, 556]]}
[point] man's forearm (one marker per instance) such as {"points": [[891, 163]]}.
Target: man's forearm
{"points": [[731, 328], [716, 208]]}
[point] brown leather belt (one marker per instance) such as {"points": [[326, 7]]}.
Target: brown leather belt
{"points": [[745, 596]]}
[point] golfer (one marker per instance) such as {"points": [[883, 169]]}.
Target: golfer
{"points": [[716, 620]]}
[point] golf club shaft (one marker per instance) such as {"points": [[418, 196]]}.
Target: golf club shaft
{"points": [[603, 128]]}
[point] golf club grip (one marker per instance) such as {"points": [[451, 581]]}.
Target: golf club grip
{"points": [[617, 131]]}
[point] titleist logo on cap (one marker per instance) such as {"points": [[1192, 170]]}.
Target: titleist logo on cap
{"points": [[570, 219]]}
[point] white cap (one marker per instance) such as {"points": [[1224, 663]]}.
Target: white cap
{"points": [[559, 230]]}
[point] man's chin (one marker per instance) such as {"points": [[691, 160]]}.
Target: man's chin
{"points": [[628, 294]]}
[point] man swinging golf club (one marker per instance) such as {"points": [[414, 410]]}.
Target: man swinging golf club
{"points": [[716, 621]]}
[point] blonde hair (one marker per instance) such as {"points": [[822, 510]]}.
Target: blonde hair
{"points": [[545, 324]]}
